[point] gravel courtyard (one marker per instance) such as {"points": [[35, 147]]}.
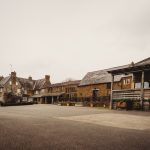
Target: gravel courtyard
{"points": [[48, 127]]}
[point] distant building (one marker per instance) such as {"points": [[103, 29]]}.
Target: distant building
{"points": [[22, 86], [61, 91]]}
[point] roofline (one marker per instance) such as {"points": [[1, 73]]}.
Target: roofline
{"points": [[65, 83], [142, 61], [94, 84], [131, 69], [6, 81]]}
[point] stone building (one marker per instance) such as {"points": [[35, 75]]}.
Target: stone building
{"points": [[22, 86], [98, 84], [40, 91], [63, 91], [10, 84]]}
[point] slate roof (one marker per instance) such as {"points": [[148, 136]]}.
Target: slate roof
{"points": [[143, 62], [74, 82], [4, 81], [33, 84], [39, 84], [56, 85], [118, 68], [1, 77], [26, 83], [96, 77], [130, 67]]}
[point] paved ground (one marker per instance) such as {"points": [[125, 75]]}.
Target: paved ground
{"points": [[48, 127]]}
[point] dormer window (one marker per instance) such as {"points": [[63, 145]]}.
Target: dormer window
{"points": [[37, 92], [126, 81], [1, 89]]}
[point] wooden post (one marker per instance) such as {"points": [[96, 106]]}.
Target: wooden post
{"points": [[142, 90], [133, 82], [111, 96], [57, 99], [41, 100], [52, 99], [45, 100]]}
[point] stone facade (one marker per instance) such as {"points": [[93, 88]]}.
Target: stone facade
{"points": [[25, 87], [69, 89], [87, 91], [99, 83], [10, 84]]}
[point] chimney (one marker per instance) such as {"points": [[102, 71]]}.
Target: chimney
{"points": [[13, 74], [13, 82], [13, 77], [30, 78], [47, 78]]}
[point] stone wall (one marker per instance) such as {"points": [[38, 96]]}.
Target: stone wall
{"points": [[86, 91]]}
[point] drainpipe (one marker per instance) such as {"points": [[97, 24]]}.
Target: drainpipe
{"points": [[142, 90]]}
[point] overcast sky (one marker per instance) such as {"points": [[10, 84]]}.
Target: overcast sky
{"points": [[68, 38]]}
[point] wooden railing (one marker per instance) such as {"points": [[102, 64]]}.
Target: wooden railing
{"points": [[146, 93], [134, 94], [127, 94]]}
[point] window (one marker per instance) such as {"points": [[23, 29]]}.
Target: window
{"points": [[108, 85], [25, 91], [126, 81], [60, 89], [137, 85], [36, 92], [1, 89], [80, 94], [146, 85], [18, 90], [95, 93], [67, 90]]}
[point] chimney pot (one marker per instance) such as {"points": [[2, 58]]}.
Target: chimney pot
{"points": [[47, 77], [30, 78], [13, 74]]}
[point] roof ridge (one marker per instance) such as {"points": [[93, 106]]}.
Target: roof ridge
{"points": [[142, 61]]}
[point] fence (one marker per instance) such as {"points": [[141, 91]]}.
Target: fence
{"points": [[103, 101]]}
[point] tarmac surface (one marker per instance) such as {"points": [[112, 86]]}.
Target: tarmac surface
{"points": [[51, 127]]}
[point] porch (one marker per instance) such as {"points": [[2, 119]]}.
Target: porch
{"points": [[131, 99], [139, 92], [47, 98], [133, 94]]}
